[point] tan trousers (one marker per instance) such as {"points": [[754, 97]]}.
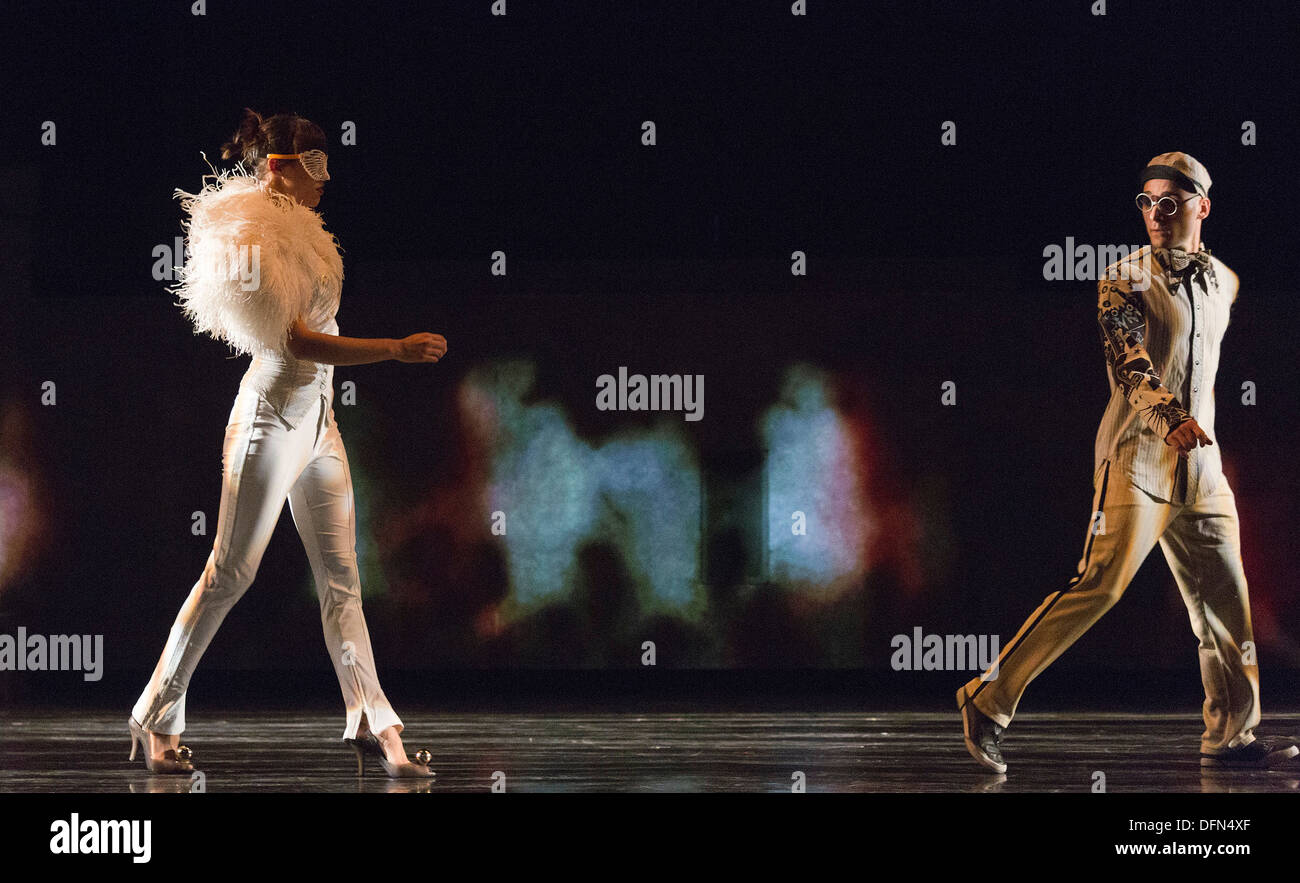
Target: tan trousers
{"points": [[1201, 541]]}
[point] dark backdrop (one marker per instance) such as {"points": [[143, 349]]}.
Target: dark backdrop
{"points": [[775, 133]]}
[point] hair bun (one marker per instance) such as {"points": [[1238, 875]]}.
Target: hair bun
{"points": [[246, 138]]}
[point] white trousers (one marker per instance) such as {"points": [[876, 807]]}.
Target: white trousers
{"points": [[1202, 543], [265, 462]]}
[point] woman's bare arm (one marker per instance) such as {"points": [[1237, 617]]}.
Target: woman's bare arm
{"points": [[331, 349]]}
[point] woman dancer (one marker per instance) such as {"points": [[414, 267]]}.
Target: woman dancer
{"points": [[264, 275]]}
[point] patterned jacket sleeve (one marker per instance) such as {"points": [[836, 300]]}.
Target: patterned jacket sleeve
{"points": [[1121, 314]]}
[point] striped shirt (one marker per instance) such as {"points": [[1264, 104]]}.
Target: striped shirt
{"points": [[1162, 353]]}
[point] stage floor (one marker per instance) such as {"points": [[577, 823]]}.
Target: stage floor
{"points": [[68, 751]]}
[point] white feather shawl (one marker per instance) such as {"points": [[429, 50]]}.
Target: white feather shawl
{"points": [[256, 260]]}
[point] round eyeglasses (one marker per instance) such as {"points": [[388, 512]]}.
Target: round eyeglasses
{"points": [[1165, 205]]}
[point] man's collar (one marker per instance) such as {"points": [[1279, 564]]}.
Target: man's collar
{"points": [[1176, 264]]}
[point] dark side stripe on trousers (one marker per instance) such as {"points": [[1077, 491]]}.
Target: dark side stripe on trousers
{"points": [[1082, 569]]}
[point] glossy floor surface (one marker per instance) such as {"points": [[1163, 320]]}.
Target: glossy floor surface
{"points": [[619, 752]]}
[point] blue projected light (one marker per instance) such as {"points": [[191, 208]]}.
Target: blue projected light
{"points": [[653, 483], [639, 492], [813, 468]]}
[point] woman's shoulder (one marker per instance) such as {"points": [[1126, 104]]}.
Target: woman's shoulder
{"points": [[252, 261], [233, 196]]}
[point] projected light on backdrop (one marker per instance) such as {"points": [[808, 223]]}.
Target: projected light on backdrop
{"points": [[814, 468], [23, 517], [639, 492]]}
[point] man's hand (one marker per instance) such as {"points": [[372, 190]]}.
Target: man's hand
{"points": [[1187, 435], [422, 347]]}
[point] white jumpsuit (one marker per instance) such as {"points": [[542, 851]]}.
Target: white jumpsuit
{"points": [[281, 443]]}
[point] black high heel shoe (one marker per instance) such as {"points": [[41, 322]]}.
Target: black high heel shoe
{"points": [[369, 744], [175, 761]]}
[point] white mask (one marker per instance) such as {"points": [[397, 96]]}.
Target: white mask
{"points": [[313, 162]]}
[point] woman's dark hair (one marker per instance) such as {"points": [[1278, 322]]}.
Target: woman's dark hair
{"points": [[281, 133]]}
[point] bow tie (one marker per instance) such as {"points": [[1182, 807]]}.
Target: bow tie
{"points": [[1181, 265]]}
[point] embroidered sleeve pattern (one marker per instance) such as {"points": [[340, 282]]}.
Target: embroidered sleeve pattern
{"points": [[1122, 317]]}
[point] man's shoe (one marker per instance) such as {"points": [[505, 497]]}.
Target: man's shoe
{"points": [[1263, 753], [982, 734]]}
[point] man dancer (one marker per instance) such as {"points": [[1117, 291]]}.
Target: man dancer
{"points": [[1158, 476]]}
